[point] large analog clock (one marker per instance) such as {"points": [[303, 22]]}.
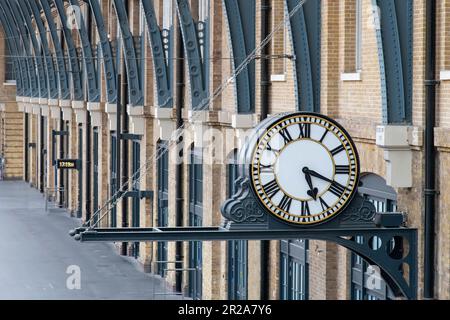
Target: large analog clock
{"points": [[304, 168]]}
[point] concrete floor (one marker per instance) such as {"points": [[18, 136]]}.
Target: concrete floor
{"points": [[36, 250]]}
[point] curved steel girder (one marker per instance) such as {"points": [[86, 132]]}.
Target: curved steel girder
{"points": [[106, 51], [33, 10], [240, 15], [305, 29], [394, 40], [199, 90], [17, 18], [78, 93], [160, 63], [42, 72], [26, 89], [136, 96], [62, 70], [13, 49]]}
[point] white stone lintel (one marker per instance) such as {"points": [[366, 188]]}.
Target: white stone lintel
{"points": [[111, 110], [94, 106], [242, 121], [53, 102], [80, 115], [164, 113], [200, 116], [78, 104], [20, 107], [137, 120], [165, 122], [67, 113], [45, 110], [65, 104], [36, 109], [395, 141], [34, 100], [96, 118], [28, 108], [55, 112], [43, 101]]}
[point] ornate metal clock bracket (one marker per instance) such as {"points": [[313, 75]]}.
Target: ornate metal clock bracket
{"points": [[392, 250]]}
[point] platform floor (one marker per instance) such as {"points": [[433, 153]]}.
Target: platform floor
{"points": [[36, 251]]}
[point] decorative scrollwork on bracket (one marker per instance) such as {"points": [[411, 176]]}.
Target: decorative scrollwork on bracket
{"points": [[242, 207], [360, 211]]}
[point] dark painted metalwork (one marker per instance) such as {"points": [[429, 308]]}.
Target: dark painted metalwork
{"points": [[305, 30], [161, 63], [52, 74], [107, 58], [430, 191], [198, 85], [75, 72], [64, 91], [136, 97], [15, 17], [394, 39], [240, 15], [21, 76], [342, 230], [41, 69]]}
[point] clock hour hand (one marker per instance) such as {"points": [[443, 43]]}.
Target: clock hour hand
{"points": [[312, 192]]}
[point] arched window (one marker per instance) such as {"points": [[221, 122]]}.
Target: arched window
{"points": [[384, 197], [237, 250]]}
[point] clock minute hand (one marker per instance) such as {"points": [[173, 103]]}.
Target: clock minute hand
{"points": [[318, 175]]}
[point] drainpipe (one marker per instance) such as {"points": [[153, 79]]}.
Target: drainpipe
{"points": [[430, 163], [125, 159], [179, 167], [27, 140], [88, 170], [264, 93]]}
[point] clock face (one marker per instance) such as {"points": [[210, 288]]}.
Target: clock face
{"points": [[304, 168]]}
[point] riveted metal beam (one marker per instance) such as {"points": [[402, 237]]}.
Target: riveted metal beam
{"points": [[136, 96], [62, 70], [394, 40], [391, 265], [305, 31], [52, 74], [75, 72], [41, 70], [17, 18], [240, 15], [11, 40], [107, 59], [22, 54], [196, 70], [161, 63]]}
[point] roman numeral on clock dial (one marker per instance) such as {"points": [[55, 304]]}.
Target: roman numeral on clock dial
{"points": [[266, 169], [305, 208], [271, 188], [342, 169], [286, 135], [305, 130], [323, 204], [337, 150], [337, 189], [285, 203]]}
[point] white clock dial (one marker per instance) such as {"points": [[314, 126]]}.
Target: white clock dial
{"points": [[304, 168]]}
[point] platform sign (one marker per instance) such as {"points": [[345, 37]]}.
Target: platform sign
{"points": [[68, 164]]}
